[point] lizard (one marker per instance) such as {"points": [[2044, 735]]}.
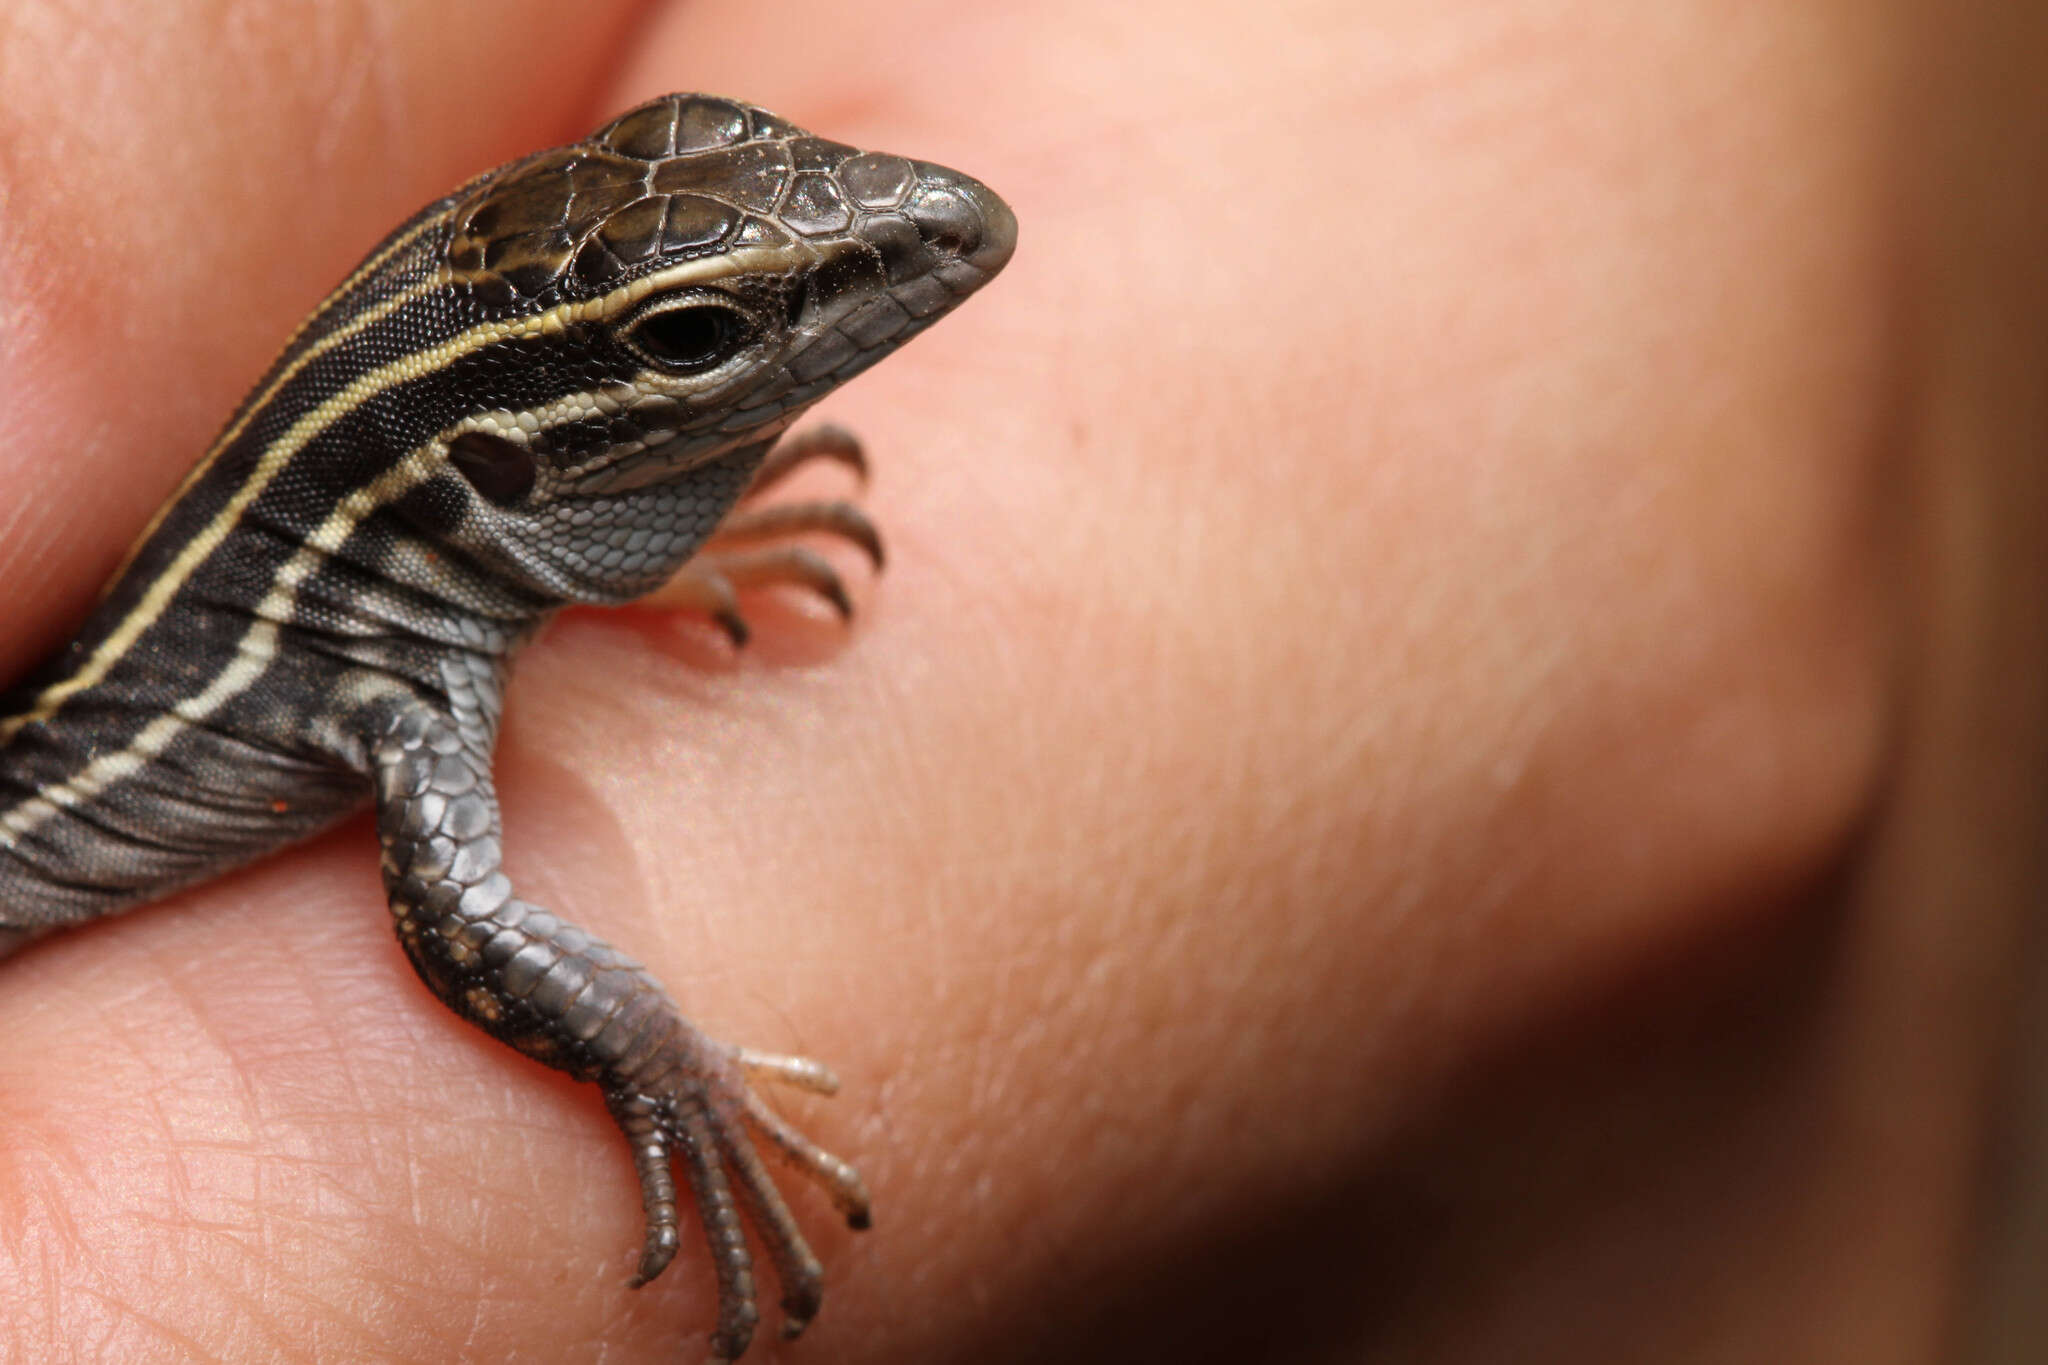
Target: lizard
{"points": [[560, 384]]}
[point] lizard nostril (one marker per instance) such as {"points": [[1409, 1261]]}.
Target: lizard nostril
{"points": [[962, 218], [946, 220]]}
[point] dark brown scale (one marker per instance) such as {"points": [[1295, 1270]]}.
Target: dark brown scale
{"points": [[815, 207], [530, 227], [876, 181], [633, 232], [749, 177]]}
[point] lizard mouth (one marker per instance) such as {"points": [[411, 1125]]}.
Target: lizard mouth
{"points": [[623, 469]]}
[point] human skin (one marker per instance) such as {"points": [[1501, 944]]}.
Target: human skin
{"points": [[1344, 831]]}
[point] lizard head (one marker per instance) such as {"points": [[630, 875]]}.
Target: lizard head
{"points": [[655, 305]]}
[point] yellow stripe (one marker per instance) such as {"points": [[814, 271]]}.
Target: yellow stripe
{"points": [[166, 584], [371, 264], [258, 645], [253, 653], [354, 327], [365, 387]]}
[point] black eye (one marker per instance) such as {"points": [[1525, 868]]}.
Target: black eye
{"points": [[694, 338], [497, 468]]}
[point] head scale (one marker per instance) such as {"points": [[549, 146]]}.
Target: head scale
{"points": [[673, 291]]}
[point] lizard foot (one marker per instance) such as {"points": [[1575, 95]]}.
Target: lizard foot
{"points": [[712, 1119], [734, 558]]}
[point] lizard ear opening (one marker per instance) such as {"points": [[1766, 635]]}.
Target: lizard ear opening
{"points": [[500, 470]]}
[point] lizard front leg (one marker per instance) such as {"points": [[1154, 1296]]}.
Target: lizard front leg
{"points": [[539, 983], [734, 557]]}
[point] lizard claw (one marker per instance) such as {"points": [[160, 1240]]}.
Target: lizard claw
{"points": [[707, 1116], [734, 559]]}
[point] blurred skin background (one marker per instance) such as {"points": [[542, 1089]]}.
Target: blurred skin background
{"points": [[1449, 765]]}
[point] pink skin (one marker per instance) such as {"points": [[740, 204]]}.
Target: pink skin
{"points": [[1342, 825]]}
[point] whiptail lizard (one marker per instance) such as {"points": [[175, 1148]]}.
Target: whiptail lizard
{"points": [[550, 387]]}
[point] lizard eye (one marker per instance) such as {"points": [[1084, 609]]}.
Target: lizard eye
{"points": [[694, 338]]}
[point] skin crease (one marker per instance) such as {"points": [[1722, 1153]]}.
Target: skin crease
{"points": [[1340, 835]]}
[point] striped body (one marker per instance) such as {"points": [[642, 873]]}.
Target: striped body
{"points": [[548, 388], [190, 725]]}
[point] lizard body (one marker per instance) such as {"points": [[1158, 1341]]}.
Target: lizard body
{"points": [[547, 388]]}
